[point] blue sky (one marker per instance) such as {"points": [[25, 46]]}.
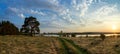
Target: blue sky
{"points": [[66, 15]]}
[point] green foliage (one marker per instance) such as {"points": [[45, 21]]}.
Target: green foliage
{"points": [[8, 28], [30, 26]]}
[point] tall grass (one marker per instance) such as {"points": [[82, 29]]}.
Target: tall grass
{"points": [[24, 45]]}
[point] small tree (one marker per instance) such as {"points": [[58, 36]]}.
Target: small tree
{"points": [[30, 26], [102, 36]]}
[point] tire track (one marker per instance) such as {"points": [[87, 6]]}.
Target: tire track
{"points": [[54, 48], [71, 48], [66, 49]]}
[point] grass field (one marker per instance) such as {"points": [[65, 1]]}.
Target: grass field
{"points": [[61, 45]]}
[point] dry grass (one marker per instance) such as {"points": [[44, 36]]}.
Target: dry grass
{"points": [[26, 45], [52, 45], [96, 46]]}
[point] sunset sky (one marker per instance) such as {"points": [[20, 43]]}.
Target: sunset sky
{"points": [[66, 15]]}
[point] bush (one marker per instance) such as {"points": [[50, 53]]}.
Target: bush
{"points": [[73, 35], [102, 36], [8, 28]]}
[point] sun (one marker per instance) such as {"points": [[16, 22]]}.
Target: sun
{"points": [[114, 27]]}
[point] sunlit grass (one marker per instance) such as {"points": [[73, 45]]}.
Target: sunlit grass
{"points": [[97, 46], [52, 45], [24, 45]]}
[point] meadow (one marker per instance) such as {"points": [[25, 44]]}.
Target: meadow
{"points": [[58, 45]]}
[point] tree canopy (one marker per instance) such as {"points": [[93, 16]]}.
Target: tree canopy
{"points": [[8, 28], [30, 26]]}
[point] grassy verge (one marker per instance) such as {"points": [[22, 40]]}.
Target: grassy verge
{"points": [[64, 46], [71, 48], [78, 50]]}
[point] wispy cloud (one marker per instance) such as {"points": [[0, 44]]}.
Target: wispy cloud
{"points": [[83, 6]]}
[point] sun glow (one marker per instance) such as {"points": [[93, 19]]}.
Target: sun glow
{"points": [[114, 27]]}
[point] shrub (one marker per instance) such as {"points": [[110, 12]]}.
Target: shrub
{"points": [[102, 36], [73, 35], [8, 28]]}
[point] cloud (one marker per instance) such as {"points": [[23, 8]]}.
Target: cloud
{"points": [[106, 10], [55, 2], [61, 13], [29, 4], [25, 11], [36, 12], [52, 24], [83, 7], [14, 9], [21, 15], [102, 15], [37, 7]]}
